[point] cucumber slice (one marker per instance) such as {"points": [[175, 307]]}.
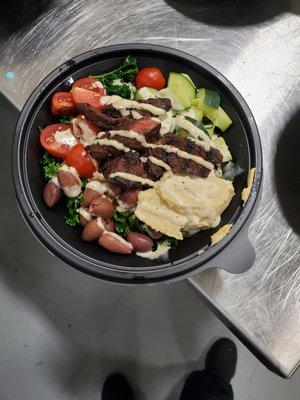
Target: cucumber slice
{"points": [[200, 96], [208, 97], [218, 117], [189, 78], [145, 93], [212, 98], [221, 145], [193, 112], [182, 88], [167, 92]]}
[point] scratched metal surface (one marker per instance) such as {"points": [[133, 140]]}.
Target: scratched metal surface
{"points": [[256, 46]]}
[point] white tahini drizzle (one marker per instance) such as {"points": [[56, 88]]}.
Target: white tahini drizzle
{"points": [[65, 137], [119, 104]]}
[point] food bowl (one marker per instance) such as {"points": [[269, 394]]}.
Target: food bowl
{"points": [[233, 253]]}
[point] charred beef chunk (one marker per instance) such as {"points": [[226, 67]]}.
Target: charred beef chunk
{"points": [[161, 103], [185, 144], [130, 163], [111, 111], [99, 152], [97, 117], [179, 164], [155, 172], [145, 126]]}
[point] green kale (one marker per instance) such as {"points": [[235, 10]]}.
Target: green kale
{"points": [[120, 88], [50, 165], [66, 119], [125, 71], [118, 81], [127, 223], [72, 215]]}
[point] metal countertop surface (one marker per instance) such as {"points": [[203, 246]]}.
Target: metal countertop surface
{"points": [[256, 46]]}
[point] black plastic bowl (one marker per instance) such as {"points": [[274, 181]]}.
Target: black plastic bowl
{"points": [[234, 253]]}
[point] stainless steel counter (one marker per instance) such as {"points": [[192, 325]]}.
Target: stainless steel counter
{"points": [[256, 46]]}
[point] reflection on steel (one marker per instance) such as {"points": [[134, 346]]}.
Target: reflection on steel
{"points": [[261, 58]]}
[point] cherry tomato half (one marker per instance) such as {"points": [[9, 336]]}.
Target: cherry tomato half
{"points": [[86, 96], [150, 77], [47, 139], [78, 158], [89, 83], [62, 103]]}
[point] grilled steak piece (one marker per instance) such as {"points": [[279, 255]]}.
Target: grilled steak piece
{"points": [[145, 126], [100, 119], [155, 172], [111, 111], [130, 163], [99, 152], [164, 103], [179, 164], [185, 144]]}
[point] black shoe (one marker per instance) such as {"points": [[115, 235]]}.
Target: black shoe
{"points": [[222, 359], [116, 387]]}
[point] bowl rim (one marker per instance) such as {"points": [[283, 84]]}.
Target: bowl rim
{"points": [[166, 271]]}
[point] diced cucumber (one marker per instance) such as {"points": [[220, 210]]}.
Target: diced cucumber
{"points": [[189, 78], [212, 98], [221, 145], [167, 92], [182, 88], [218, 117], [145, 93], [210, 129], [208, 97], [200, 96], [193, 112]]}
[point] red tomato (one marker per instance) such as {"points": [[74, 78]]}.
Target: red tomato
{"points": [[86, 96], [62, 103], [49, 143], [78, 158], [88, 84], [150, 77]]}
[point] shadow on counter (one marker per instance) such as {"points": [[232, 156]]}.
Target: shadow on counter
{"points": [[287, 172], [18, 14], [233, 12]]}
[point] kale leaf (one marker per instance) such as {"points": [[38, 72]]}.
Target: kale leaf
{"points": [[72, 215], [118, 81], [50, 165], [127, 223], [66, 119]]}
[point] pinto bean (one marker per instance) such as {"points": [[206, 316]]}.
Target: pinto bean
{"points": [[102, 207], [140, 242], [109, 224], [154, 234], [92, 231], [52, 193], [84, 216], [114, 243], [129, 196], [88, 196], [69, 180]]}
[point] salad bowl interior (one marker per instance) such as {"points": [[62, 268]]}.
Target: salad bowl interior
{"points": [[65, 242]]}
